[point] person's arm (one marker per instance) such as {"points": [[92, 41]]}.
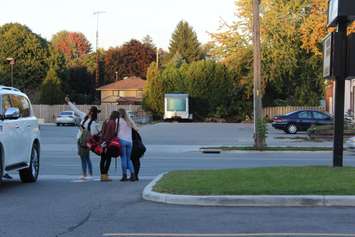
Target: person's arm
{"points": [[78, 112], [95, 129]]}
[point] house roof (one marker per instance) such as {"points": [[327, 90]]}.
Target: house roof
{"points": [[131, 83]]}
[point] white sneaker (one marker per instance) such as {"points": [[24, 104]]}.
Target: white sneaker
{"points": [[89, 177], [82, 177]]}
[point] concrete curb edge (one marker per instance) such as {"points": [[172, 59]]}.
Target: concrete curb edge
{"points": [[246, 200]]}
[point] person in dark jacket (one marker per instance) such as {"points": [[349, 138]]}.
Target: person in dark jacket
{"points": [[109, 131], [138, 150]]}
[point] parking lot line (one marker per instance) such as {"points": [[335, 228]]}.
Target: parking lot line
{"points": [[226, 234], [76, 177]]}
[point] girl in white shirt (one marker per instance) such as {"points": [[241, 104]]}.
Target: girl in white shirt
{"points": [[126, 125], [89, 122]]}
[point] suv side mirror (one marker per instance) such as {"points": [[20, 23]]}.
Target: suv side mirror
{"points": [[12, 113]]}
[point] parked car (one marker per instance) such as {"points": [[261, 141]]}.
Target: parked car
{"points": [[301, 120], [19, 135], [67, 118], [350, 144]]}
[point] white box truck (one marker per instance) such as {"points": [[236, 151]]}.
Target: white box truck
{"points": [[176, 107]]}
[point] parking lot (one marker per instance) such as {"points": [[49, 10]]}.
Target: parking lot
{"points": [[59, 205]]}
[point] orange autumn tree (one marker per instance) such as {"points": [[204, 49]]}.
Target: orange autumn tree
{"points": [[291, 48]]}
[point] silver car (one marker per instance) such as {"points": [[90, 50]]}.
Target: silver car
{"points": [[67, 118]]}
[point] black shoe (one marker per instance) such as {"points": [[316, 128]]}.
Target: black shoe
{"points": [[124, 178], [7, 176], [133, 178]]}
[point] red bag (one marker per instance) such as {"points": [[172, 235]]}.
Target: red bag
{"points": [[114, 147], [93, 143]]}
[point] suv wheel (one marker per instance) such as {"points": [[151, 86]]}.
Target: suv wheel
{"points": [[30, 174], [292, 129]]}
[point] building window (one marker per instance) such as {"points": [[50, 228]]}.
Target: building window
{"points": [[139, 94]]}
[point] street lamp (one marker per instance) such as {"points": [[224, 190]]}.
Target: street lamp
{"points": [[116, 76], [11, 62]]}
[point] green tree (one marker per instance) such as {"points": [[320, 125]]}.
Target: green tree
{"points": [[148, 40], [210, 87], [50, 91], [159, 83], [31, 54], [185, 43], [290, 57]]}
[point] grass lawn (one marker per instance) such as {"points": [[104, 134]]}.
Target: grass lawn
{"points": [[312, 180], [250, 148]]}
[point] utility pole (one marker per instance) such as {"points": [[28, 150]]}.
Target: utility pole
{"points": [[340, 95], [258, 113], [97, 14]]}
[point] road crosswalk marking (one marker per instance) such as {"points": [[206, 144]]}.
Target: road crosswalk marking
{"points": [[228, 234]]}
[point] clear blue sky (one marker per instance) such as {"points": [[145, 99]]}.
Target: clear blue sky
{"points": [[124, 20]]}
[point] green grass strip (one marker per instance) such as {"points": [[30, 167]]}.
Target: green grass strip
{"points": [[261, 181]]}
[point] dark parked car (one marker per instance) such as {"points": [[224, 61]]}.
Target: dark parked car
{"points": [[301, 120]]}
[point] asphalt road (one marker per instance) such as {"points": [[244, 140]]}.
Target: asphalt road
{"points": [[58, 205]]}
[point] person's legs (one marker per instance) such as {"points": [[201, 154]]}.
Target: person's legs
{"points": [[105, 159], [107, 164], [129, 161], [102, 164], [136, 166], [89, 164], [83, 164], [123, 160]]}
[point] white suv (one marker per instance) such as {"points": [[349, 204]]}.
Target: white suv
{"points": [[19, 135]]}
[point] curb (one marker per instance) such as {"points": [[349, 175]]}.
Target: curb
{"points": [[247, 200]]}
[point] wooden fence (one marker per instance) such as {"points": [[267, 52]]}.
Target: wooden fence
{"points": [[48, 113], [270, 112]]}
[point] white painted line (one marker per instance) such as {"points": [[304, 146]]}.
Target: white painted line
{"points": [[76, 177], [226, 234]]}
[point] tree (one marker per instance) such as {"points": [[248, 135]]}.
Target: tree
{"points": [[214, 89], [206, 78], [82, 84], [74, 45], [148, 40], [131, 59], [30, 52], [184, 42], [289, 53], [50, 91], [159, 83]]}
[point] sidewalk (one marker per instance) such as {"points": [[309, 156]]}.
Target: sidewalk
{"points": [[247, 200]]}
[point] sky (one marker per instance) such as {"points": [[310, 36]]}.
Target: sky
{"points": [[123, 20]]}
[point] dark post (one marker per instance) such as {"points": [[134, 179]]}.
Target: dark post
{"points": [[339, 96]]}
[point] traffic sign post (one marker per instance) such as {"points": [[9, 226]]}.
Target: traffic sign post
{"points": [[336, 65]]}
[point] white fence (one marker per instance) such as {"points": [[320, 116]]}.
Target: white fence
{"points": [[48, 113]]}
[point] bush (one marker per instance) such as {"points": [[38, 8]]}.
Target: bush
{"points": [[215, 91]]}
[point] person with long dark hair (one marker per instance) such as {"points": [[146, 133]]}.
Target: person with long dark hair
{"points": [[109, 132], [88, 125]]}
